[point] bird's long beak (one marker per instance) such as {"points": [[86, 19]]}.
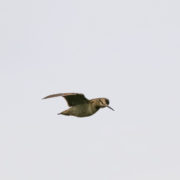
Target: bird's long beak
{"points": [[110, 108]]}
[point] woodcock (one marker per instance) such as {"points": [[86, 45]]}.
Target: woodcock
{"points": [[80, 106]]}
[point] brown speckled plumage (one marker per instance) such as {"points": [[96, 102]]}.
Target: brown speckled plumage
{"points": [[80, 106]]}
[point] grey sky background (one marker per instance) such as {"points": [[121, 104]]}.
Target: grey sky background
{"points": [[127, 51]]}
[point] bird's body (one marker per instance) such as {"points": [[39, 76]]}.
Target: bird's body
{"points": [[81, 110], [80, 106]]}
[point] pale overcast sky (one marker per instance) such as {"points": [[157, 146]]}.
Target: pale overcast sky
{"points": [[127, 51]]}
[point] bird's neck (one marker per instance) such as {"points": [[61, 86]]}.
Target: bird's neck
{"points": [[95, 106]]}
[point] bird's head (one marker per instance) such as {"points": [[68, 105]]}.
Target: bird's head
{"points": [[104, 102]]}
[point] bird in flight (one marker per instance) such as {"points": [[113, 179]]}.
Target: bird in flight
{"points": [[80, 106]]}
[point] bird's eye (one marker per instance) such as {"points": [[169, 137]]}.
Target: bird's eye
{"points": [[107, 101]]}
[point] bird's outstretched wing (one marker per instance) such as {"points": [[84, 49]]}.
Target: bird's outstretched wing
{"points": [[71, 98]]}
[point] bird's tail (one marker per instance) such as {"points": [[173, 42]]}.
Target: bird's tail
{"points": [[64, 113]]}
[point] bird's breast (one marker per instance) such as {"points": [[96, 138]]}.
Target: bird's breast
{"points": [[83, 110]]}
